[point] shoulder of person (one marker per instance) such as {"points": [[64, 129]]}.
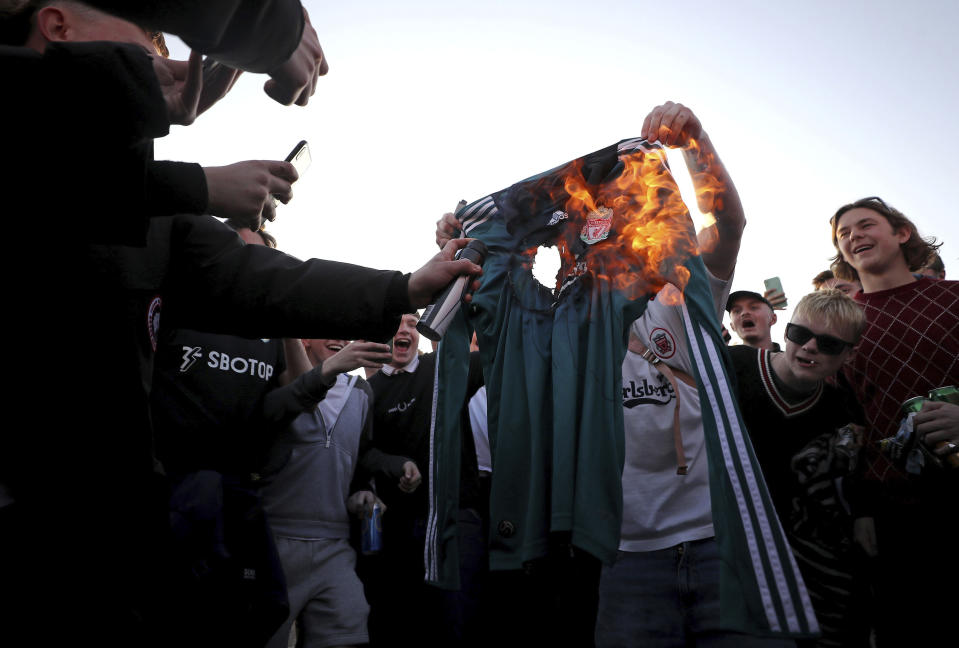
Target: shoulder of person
{"points": [[742, 352]]}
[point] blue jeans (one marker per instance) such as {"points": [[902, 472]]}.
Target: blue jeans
{"points": [[667, 598]]}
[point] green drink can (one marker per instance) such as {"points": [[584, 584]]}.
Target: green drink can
{"points": [[946, 394], [914, 404]]}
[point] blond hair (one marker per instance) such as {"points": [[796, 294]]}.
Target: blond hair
{"points": [[839, 311]]}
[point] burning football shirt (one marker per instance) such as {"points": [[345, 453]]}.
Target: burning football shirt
{"points": [[552, 362]]}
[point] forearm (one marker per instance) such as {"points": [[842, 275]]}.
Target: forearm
{"points": [[716, 194], [176, 188], [253, 291], [252, 35], [297, 362], [284, 404], [374, 461]]}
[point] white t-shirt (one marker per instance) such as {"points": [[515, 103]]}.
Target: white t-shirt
{"points": [[478, 423], [660, 508]]}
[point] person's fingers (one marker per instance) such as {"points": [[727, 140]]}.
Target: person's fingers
{"points": [[946, 448], [453, 245], [668, 133], [644, 131], [324, 67], [655, 120], [193, 85], [282, 169], [281, 190], [276, 92], [303, 97], [678, 126], [465, 266], [268, 213], [451, 223]]}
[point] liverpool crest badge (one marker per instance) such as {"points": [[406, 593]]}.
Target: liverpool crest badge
{"points": [[597, 225]]}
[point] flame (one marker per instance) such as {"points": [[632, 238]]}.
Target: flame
{"points": [[709, 194], [651, 231]]}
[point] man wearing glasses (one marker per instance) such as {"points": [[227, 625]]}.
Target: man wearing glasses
{"points": [[792, 415]]}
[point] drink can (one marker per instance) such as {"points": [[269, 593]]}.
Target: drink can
{"points": [[914, 404], [947, 394], [373, 532]]}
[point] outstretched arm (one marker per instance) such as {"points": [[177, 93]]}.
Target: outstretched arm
{"points": [[675, 125]]}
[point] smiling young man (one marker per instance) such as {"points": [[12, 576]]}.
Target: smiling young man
{"points": [[751, 316], [792, 415], [318, 474], [910, 345]]}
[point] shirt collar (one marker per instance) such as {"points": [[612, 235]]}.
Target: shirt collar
{"points": [[389, 370]]}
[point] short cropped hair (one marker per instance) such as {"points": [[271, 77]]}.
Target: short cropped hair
{"points": [[917, 250], [822, 278], [840, 312]]}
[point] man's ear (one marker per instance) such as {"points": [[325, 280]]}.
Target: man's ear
{"points": [[53, 24], [847, 354], [306, 344], [774, 318], [903, 234]]}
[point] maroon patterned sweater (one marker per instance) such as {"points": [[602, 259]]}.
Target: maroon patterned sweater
{"points": [[910, 345]]}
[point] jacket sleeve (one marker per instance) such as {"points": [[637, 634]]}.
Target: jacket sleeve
{"points": [[176, 188], [283, 404], [372, 460], [251, 35], [221, 285]]}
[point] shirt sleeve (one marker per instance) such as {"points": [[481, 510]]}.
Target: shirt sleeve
{"points": [[251, 35]]}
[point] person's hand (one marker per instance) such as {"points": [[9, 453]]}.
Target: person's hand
{"points": [[411, 477], [218, 80], [673, 124], [355, 355], [181, 83], [295, 80], [864, 535], [937, 422], [447, 228], [439, 271], [776, 299], [242, 192], [361, 504]]}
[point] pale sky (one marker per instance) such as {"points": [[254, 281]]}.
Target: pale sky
{"points": [[810, 105]]}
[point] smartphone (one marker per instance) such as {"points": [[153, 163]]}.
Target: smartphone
{"points": [[773, 283], [300, 158]]}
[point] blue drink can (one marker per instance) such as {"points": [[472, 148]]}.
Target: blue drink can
{"points": [[372, 532]]}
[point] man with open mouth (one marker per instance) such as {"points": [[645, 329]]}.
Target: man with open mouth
{"points": [[402, 604], [751, 316]]}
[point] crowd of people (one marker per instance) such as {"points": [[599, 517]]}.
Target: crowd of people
{"points": [[568, 466]]}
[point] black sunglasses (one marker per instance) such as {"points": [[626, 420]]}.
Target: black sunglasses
{"points": [[825, 343]]}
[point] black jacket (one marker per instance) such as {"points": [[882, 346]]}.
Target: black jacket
{"points": [[81, 465]]}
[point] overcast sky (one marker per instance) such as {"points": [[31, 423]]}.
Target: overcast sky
{"points": [[810, 106]]}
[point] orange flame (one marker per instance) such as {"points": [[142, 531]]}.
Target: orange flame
{"points": [[651, 231]]}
